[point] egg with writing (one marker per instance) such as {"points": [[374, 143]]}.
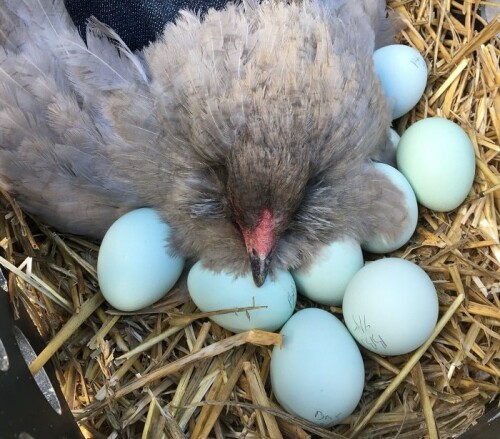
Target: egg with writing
{"points": [[274, 301], [403, 75], [384, 244], [135, 267], [318, 373], [326, 279], [391, 306], [438, 159]]}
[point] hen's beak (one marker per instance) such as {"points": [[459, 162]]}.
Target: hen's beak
{"points": [[260, 267]]}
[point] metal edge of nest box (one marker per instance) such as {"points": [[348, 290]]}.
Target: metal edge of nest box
{"points": [[31, 407], [487, 426]]}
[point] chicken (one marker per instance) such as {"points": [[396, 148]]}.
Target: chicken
{"points": [[251, 131]]}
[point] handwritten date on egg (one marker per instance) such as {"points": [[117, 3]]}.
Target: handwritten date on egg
{"points": [[368, 338]]}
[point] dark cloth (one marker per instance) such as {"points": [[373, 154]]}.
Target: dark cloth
{"points": [[138, 22]]}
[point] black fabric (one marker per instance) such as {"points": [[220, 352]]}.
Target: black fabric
{"points": [[136, 21]]}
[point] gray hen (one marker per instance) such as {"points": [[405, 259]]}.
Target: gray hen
{"points": [[251, 131]]}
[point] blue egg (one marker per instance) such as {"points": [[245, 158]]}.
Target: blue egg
{"points": [[403, 75], [135, 267], [318, 373], [391, 306], [326, 279], [212, 291], [437, 157], [383, 244]]}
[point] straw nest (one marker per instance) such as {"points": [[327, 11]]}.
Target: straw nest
{"points": [[168, 372]]}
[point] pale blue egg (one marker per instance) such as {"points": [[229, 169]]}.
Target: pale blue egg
{"points": [[326, 279], [403, 75], [384, 244], [318, 373], [391, 306], [135, 267], [437, 157], [213, 291]]}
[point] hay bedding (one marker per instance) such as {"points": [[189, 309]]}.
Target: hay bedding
{"points": [[168, 372]]}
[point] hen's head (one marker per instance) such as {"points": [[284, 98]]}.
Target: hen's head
{"points": [[265, 188]]}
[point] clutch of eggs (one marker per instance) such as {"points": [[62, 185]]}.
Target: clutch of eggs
{"points": [[134, 266]]}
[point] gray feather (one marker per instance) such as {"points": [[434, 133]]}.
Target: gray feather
{"points": [[55, 137]]}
